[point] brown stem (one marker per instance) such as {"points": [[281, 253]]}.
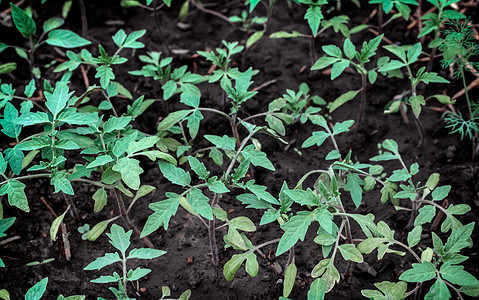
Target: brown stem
{"points": [[160, 31], [363, 100], [71, 204], [420, 132], [212, 235], [84, 23], [124, 214], [410, 224]]}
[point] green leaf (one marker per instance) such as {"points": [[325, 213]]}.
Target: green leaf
{"points": [[440, 193], [414, 236], [471, 290], [55, 226], [413, 53], [16, 194], [100, 161], [200, 203], [353, 185], [173, 174], [438, 291], [14, 156], [324, 62], [314, 17], [317, 138], [145, 253], [255, 37], [317, 290], [232, 266], [251, 266], [136, 274], [338, 68], [349, 49], [144, 190], [131, 41], [257, 158], [52, 23], [303, 197], [284, 35], [260, 192], [459, 238], [289, 278], [416, 103], [100, 198], [105, 73], [97, 230], [36, 292], [224, 142], [217, 186], [164, 210], [23, 21], [119, 238], [66, 39], [455, 274], [392, 65], [198, 167], [105, 279], [8, 68], [243, 223], [61, 183], [387, 291], [57, 100], [332, 106], [10, 127], [419, 272], [172, 119], [101, 262], [349, 252], [130, 171], [295, 229]]}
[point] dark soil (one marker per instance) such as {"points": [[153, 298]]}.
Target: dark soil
{"points": [[187, 264]]}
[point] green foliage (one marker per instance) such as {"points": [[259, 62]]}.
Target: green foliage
{"points": [[121, 241]]}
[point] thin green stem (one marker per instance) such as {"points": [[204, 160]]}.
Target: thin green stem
{"points": [[336, 245], [469, 107]]}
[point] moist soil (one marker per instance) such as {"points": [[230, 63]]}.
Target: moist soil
{"points": [[187, 263]]}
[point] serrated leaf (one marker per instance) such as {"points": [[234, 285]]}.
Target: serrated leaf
{"points": [[101, 262], [119, 238], [130, 171], [174, 174], [419, 272], [295, 229], [164, 210]]}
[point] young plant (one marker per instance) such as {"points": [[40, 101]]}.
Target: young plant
{"points": [[173, 81], [358, 59], [434, 21], [50, 35], [121, 241], [155, 9], [385, 6], [416, 101], [459, 49]]}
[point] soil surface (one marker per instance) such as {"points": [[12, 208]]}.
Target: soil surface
{"points": [[187, 264]]}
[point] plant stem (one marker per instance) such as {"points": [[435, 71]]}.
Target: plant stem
{"points": [[469, 107], [409, 250], [160, 31], [124, 214], [363, 99], [124, 272]]}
